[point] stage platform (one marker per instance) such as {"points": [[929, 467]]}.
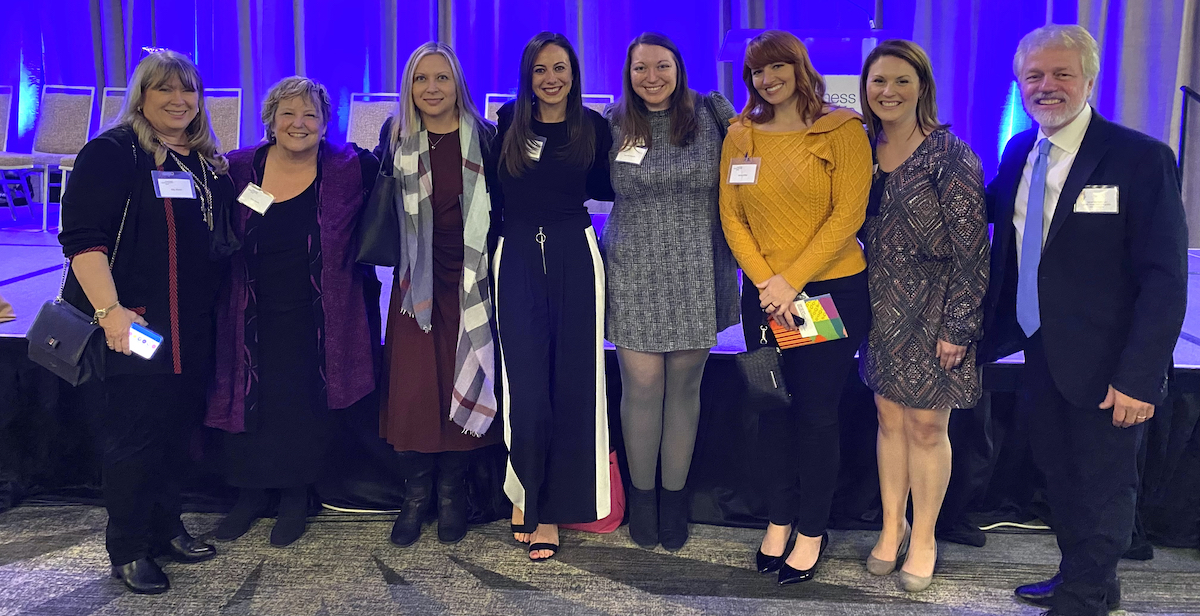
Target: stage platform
{"points": [[32, 260]]}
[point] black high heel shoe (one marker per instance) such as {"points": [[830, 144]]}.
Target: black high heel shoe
{"points": [[771, 564], [788, 575]]}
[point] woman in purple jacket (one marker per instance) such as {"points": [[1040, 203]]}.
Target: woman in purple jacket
{"points": [[293, 334]]}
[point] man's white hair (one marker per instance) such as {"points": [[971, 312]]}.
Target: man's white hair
{"points": [[1056, 35]]}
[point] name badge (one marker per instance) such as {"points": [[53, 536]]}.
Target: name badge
{"points": [[1098, 200], [744, 171], [256, 198], [632, 154], [804, 319], [173, 185], [534, 148], [142, 341]]}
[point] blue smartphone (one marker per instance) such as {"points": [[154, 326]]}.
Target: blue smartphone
{"points": [[142, 341]]}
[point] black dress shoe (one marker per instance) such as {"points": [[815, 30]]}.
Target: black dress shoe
{"points": [[186, 549], [788, 575], [1041, 593], [142, 576]]}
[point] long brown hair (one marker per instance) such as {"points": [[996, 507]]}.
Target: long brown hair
{"points": [[581, 133], [630, 113], [778, 46], [910, 52]]}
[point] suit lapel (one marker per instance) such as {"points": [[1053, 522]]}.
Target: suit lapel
{"points": [[1091, 151]]}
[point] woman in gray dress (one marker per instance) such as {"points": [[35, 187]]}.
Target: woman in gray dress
{"points": [[927, 270], [664, 249]]}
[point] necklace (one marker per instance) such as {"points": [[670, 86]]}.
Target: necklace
{"points": [[205, 195], [434, 145]]}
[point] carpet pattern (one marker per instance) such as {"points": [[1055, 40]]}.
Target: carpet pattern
{"points": [[52, 563]]}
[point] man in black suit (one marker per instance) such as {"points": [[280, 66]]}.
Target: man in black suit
{"points": [[1089, 277]]}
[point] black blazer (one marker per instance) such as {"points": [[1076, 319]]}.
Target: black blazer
{"points": [[1112, 287]]}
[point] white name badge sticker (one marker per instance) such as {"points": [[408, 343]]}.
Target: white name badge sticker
{"points": [[1098, 200], [142, 341], [744, 171], [534, 148], [173, 185], [632, 154], [256, 198], [807, 328]]}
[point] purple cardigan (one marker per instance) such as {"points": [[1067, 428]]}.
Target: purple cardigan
{"points": [[348, 368]]}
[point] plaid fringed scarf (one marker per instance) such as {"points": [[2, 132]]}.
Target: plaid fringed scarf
{"points": [[474, 401]]}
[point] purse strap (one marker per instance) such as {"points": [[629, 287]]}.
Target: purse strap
{"points": [[112, 258]]}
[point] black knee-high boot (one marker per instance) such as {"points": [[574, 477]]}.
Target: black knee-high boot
{"points": [[452, 495], [418, 497]]}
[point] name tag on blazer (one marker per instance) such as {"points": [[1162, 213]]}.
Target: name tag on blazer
{"points": [[1098, 200]]}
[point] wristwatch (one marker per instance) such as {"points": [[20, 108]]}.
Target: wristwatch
{"points": [[103, 312]]}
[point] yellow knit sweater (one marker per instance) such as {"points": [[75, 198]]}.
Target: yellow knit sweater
{"points": [[801, 218]]}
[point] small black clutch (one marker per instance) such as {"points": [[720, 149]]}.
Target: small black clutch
{"points": [[763, 376], [66, 342]]}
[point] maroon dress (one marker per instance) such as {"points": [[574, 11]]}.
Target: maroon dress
{"points": [[419, 367]]}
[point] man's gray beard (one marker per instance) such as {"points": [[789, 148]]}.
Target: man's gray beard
{"points": [[1053, 119]]}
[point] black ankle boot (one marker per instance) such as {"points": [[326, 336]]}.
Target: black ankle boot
{"points": [[673, 519], [250, 505], [418, 498], [292, 519], [452, 495], [643, 517]]}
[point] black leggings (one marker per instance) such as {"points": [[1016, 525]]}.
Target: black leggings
{"points": [[801, 441]]}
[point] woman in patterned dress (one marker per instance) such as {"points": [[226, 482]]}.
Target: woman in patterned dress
{"points": [[927, 270], [664, 227]]}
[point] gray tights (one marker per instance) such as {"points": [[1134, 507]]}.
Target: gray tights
{"points": [[660, 409]]}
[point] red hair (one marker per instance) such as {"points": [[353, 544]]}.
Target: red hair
{"points": [[778, 46]]}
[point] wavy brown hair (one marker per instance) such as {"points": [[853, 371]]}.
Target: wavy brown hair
{"points": [[910, 52], [778, 46], [153, 71], [630, 113], [581, 134]]}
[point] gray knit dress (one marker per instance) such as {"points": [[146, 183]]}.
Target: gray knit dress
{"points": [[672, 282]]}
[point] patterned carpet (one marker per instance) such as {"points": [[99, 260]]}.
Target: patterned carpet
{"points": [[52, 563]]}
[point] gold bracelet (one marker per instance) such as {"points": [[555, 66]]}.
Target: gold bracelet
{"points": [[103, 312]]}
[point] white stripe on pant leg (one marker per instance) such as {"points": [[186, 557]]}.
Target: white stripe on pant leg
{"points": [[603, 489], [512, 485]]}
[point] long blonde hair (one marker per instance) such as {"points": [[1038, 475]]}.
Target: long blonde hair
{"points": [[153, 71], [408, 118]]}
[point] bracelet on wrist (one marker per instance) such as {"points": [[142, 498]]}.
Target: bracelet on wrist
{"points": [[103, 312]]}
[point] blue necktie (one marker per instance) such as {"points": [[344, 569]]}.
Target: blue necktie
{"points": [[1031, 244]]}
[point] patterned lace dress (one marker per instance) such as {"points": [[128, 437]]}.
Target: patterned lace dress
{"points": [[927, 267]]}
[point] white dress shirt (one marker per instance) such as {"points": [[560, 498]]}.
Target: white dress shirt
{"points": [[1064, 146]]}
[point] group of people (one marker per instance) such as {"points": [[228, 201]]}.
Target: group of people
{"points": [[503, 295]]}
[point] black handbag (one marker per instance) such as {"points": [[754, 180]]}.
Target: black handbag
{"points": [[64, 340], [763, 376], [379, 227]]}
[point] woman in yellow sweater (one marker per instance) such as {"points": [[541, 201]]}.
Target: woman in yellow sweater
{"points": [[796, 174]]}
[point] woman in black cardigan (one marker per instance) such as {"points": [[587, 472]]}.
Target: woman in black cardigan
{"points": [[138, 258]]}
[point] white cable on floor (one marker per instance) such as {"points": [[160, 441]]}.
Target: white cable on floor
{"points": [[347, 510], [1014, 525]]}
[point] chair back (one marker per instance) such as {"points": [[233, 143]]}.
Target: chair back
{"points": [[64, 119], [368, 112], [6, 98], [111, 102], [225, 115]]}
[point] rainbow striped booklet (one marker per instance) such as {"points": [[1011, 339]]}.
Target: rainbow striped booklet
{"points": [[819, 322]]}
